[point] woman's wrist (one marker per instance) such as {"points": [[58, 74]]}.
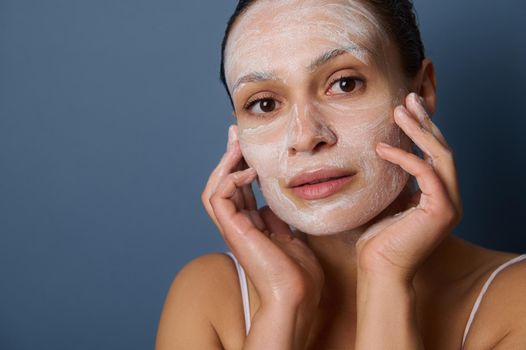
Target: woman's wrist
{"points": [[301, 315], [280, 326], [400, 279], [271, 327], [386, 313]]}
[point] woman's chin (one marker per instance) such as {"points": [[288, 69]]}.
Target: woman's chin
{"points": [[322, 222], [334, 227]]}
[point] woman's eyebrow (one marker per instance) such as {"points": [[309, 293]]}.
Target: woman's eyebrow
{"points": [[254, 77], [357, 51]]}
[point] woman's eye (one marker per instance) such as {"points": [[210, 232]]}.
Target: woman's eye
{"points": [[346, 85], [264, 105]]}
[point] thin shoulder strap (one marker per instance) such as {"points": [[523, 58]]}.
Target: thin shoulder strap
{"points": [[484, 290], [244, 290]]}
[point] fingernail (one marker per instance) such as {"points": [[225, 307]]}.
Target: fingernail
{"points": [[384, 145], [419, 99], [401, 113], [250, 171], [229, 141], [244, 177], [232, 136], [415, 97], [233, 131], [423, 114]]}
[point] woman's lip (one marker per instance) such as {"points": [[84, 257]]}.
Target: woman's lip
{"points": [[322, 189], [320, 183], [308, 177]]}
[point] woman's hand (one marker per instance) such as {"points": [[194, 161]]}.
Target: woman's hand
{"points": [[397, 245], [285, 272], [390, 251]]}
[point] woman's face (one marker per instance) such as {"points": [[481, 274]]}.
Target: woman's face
{"points": [[314, 84]]}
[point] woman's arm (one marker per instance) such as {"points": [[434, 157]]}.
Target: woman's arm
{"points": [[386, 314], [390, 251], [279, 327], [185, 322], [190, 309], [285, 272], [500, 322]]}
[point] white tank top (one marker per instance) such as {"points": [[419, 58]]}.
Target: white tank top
{"points": [[246, 305]]}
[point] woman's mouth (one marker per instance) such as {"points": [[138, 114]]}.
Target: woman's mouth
{"points": [[320, 183]]}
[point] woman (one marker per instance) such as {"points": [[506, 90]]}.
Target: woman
{"points": [[330, 97]]}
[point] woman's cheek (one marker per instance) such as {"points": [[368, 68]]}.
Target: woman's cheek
{"points": [[265, 159], [261, 157], [391, 177]]}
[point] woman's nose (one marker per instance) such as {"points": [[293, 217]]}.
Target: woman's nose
{"points": [[308, 132]]}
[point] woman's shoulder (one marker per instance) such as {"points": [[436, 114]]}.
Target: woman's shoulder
{"points": [[204, 298], [209, 269], [500, 308]]}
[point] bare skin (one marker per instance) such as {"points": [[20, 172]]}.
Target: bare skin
{"points": [[401, 280], [446, 286], [444, 303]]}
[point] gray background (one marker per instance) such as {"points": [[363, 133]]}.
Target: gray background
{"points": [[112, 117]]}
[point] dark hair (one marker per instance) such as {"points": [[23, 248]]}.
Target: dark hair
{"points": [[397, 17]]}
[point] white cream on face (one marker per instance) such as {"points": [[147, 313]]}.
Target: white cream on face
{"points": [[327, 24], [278, 40]]}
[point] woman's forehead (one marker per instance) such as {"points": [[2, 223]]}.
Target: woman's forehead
{"points": [[273, 33]]}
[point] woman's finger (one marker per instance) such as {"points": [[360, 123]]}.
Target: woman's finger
{"points": [[229, 216], [249, 198], [245, 240], [227, 164], [434, 215], [424, 133], [257, 220], [433, 191], [416, 104], [273, 223], [423, 138], [229, 161]]}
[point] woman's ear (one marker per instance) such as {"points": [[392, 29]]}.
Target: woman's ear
{"points": [[425, 85]]}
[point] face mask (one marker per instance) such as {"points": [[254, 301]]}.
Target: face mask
{"points": [[290, 51]]}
